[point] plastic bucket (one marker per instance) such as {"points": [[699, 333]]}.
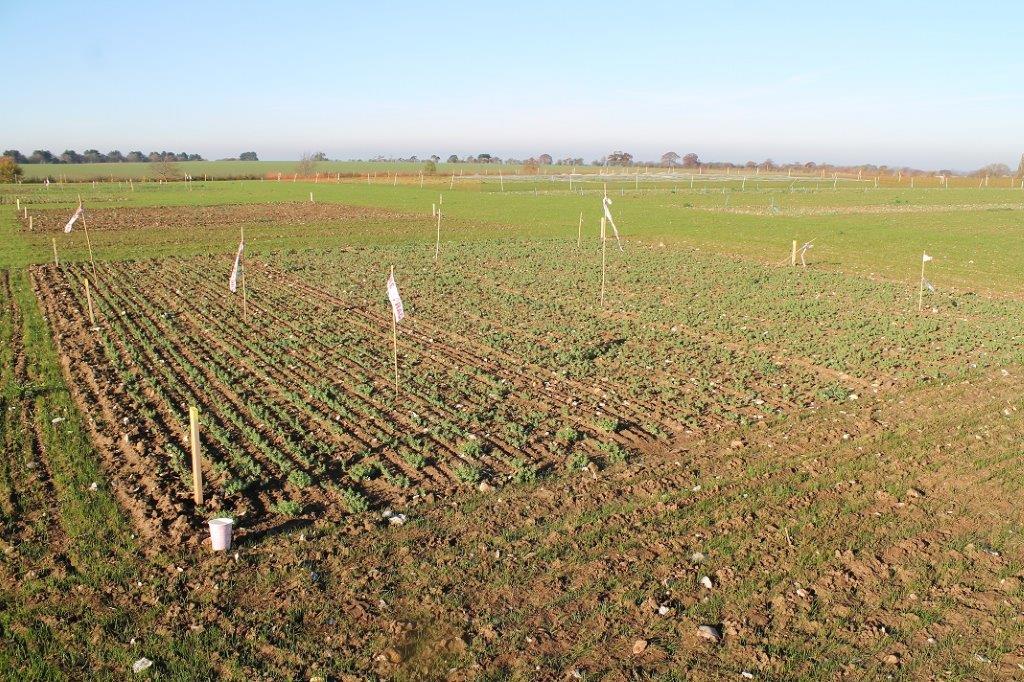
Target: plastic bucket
{"points": [[220, 534]]}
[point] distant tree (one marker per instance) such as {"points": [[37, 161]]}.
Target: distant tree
{"points": [[42, 156], [115, 156], [1020, 166], [320, 156], [135, 157], [16, 155], [195, 157], [531, 167], [306, 165], [620, 159], [248, 156], [484, 158], [455, 159], [430, 167], [435, 158], [669, 159], [93, 156], [691, 160], [165, 169], [544, 159], [997, 169], [10, 171], [769, 165], [70, 156]]}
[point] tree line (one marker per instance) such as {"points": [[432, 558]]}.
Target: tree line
{"points": [[95, 156]]}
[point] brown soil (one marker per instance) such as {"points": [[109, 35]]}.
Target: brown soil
{"points": [[871, 539], [199, 217]]}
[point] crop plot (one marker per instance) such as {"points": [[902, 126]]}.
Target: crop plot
{"points": [[173, 218], [509, 368]]}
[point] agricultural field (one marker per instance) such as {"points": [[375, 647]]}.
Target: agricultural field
{"points": [[729, 467]]}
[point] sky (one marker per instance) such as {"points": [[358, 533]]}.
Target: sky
{"points": [[925, 84]]}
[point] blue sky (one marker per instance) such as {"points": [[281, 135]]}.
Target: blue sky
{"points": [[929, 84]]}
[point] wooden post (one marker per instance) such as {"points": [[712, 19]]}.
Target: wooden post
{"points": [[920, 293], [245, 300], [452, 185], [197, 470], [88, 242], [579, 232], [792, 258], [604, 252], [501, 179], [88, 299], [55, 261], [437, 244], [421, 179], [311, 198], [394, 337], [30, 223]]}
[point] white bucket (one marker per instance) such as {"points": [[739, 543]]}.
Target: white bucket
{"points": [[220, 534]]}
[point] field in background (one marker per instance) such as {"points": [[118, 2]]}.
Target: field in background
{"points": [[794, 457]]}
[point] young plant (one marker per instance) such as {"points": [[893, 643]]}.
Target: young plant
{"points": [[287, 508], [468, 473]]}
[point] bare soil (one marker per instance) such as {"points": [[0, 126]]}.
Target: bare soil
{"points": [[199, 217]]}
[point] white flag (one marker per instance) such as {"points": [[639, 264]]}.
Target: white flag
{"points": [[926, 258], [608, 216], [396, 300], [74, 219], [233, 282]]}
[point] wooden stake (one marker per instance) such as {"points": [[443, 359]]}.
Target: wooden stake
{"points": [[88, 299], [792, 258], [501, 179], [311, 198], [245, 300], [30, 223], [197, 470], [55, 261], [394, 338], [920, 293], [437, 244], [604, 257], [88, 242], [579, 233]]}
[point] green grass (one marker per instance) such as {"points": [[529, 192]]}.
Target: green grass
{"points": [[234, 169], [976, 247]]}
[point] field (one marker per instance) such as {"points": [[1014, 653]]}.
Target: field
{"points": [[795, 459]]}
